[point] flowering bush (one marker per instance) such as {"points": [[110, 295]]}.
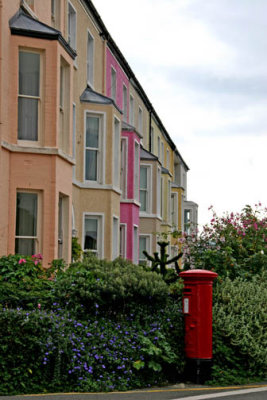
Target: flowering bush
{"points": [[232, 245], [96, 326], [15, 267], [51, 350]]}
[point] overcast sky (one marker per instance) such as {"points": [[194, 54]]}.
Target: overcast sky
{"points": [[203, 65]]}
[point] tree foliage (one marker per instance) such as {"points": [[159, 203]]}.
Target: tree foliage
{"points": [[232, 245]]}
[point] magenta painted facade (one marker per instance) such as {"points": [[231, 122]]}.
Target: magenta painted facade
{"points": [[129, 209], [122, 80]]}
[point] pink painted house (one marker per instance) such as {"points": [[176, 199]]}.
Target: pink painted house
{"points": [[117, 87]]}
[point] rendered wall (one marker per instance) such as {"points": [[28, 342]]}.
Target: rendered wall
{"points": [[122, 79]]}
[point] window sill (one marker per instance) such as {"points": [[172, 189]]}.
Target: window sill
{"points": [[25, 147]]}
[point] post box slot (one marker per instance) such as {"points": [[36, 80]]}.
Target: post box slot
{"points": [[186, 305], [187, 290]]}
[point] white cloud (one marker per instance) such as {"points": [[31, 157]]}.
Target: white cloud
{"points": [[203, 64]]}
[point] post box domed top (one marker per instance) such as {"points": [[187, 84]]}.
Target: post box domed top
{"points": [[201, 274]]}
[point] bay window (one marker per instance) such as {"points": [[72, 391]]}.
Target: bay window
{"points": [[93, 234], [123, 172], [93, 151], [144, 244], [136, 170], [145, 188], [116, 152], [26, 239], [123, 228], [115, 238], [29, 95]]}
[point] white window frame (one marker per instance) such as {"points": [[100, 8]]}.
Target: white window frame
{"points": [[187, 223], [113, 83], [73, 136], [140, 120], [148, 208], [116, 152], [174, 210], [152, 139], [136, 169], [55, 14], [100, 217], [90, 59], [101, 147], [124, 167], [148, 238], [64, 105], [162, 153], [169, 201], [37, 237], [159, 192], [38, 98], [125, 102], [159, 156], [115, 237], [135, 244], [123, 240], [162, 198], [72, 26], [168, 159], [131, 110]]}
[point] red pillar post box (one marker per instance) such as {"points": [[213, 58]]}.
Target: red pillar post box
{"points": [[197, 309]]}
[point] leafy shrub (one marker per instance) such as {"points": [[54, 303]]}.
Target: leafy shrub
{"points": [[239, 330], [233, 245], [76, 250], [117, 285]]}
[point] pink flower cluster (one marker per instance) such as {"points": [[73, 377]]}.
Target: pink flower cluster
{"points": [[37, 258]]}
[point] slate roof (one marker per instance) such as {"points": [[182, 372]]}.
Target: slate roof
{"points": [[24, 25], [90, 96], [130, 128], [146, 155], [165, 171]]}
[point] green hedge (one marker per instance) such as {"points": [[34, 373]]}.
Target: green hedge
{"points": [[239, 330], [96, 326]]}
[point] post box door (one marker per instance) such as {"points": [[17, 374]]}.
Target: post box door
{"points": [[189, 309]]}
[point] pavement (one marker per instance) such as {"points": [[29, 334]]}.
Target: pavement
{"points": [[175, 392]]}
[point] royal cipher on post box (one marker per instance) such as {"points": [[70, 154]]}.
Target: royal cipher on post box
{"points": [[197, 310]]}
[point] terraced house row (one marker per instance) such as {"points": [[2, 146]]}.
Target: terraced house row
{"points": [[82, 150]]}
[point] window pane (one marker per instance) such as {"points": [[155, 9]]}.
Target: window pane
{"points": [[143, 178], [26, 220], [90, 234], [28, 119], [90, 58], [143, 197], [142, 247], [72, 27], [92, 132], [29, 73], [25, 247], [91, 165]]}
